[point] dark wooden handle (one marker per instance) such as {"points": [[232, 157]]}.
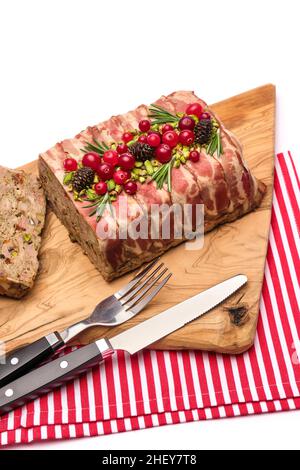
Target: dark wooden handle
{"points": [[52, 375], [25, 359]]}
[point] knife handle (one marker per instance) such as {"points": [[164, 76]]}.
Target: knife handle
{"points": [[24, 359], [53, 375]]}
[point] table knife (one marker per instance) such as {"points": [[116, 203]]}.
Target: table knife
{"points": [[57, 372], [114, 310]]}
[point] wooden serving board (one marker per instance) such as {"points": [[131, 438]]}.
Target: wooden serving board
{"points": [[68, 286]]}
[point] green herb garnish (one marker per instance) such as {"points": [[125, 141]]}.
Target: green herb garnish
{"points": [[98, 147], [163, 175], [159, 115], [99, 206], [215, 144]]}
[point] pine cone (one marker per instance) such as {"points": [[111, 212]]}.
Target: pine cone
{"points": [[141, 151], [83, 178], [203, 131]]}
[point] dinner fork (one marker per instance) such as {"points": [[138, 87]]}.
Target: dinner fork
{"points": [[114, 310]]}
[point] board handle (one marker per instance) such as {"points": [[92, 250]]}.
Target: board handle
{"points": [[25, 359]]}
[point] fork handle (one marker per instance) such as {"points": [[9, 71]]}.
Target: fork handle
{"points": [[53, 374], [24, 359]]}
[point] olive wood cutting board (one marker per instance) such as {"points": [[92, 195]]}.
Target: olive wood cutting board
{"points": [[68, 286]]}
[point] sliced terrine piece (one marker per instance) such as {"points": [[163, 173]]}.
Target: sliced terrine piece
{"points": [[22, 217], [222, 183]]}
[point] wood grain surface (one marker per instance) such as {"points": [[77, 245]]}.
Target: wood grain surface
{"points": [[68, 286]]}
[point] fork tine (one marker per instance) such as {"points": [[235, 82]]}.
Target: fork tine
{"points": [[144, 290], [140, 285], [142, 304], [131, 284]]}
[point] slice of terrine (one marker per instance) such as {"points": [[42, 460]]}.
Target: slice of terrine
{"points": [[176, 152], [22, 217]]}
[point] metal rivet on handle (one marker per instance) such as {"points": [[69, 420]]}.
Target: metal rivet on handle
{"points": [[9, 392], [63, 364], [14, 361]]}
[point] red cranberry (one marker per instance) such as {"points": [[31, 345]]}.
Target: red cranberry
{"points": [[143, 139], [163, 153], [92, 160], [194, 156], [194, 108], [170, 138], [100, 188], [144, 125], [122, 148], [186, 137], [205, 116], [121, 176], [126, 161], [111, 157], [105, 171], [70, 164], [166, 128], [186, 122], [130, 187], [127, 137], [153, 139]]}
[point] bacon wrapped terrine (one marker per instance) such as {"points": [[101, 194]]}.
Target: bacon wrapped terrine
{"points": [[174, 153]]}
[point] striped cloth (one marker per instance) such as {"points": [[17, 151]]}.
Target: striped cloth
{"points": [[154, 388]]}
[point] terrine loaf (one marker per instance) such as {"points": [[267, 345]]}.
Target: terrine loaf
{"points": [[22, 216], [173, 153]]}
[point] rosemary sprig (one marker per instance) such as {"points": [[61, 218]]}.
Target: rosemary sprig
{"points": [[99, 147], [102, 206], [159, 115], [163, 175], [99, 205], [215, 144]]}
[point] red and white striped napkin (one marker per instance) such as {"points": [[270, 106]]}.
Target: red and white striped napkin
{"points": [[154, 388]]}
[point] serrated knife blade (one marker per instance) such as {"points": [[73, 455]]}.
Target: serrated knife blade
{"points": [[149, 331]]}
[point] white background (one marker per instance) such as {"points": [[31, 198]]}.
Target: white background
{"points": [[67, 64]]}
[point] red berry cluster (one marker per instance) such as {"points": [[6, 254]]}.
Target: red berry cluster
{"points": [[117, 164], [169, 137]]}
